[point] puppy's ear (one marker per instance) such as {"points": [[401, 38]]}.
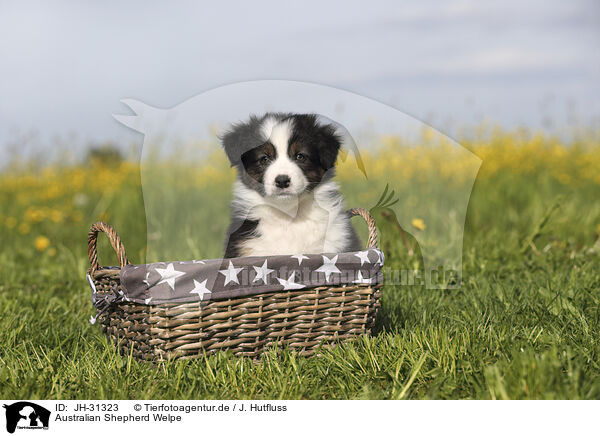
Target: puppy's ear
{"points": [[240, 138], [230, 140], [329, 146]]}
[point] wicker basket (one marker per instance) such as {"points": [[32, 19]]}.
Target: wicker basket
{"points": [[302, 320]]}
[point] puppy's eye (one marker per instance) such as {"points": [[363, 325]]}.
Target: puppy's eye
{"points": [[300, 156], [264, 160]]}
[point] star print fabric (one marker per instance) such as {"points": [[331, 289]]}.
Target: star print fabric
{"points": [[189, 281]]}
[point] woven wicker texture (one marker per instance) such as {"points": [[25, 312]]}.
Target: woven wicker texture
{"points": [[302, 320]]}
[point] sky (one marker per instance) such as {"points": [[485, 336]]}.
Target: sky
{"points": [[65, 66]]}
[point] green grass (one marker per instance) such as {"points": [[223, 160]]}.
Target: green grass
{"points": [[525, 323]]}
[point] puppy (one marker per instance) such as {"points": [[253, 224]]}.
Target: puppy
{"points": [[284, 199]]}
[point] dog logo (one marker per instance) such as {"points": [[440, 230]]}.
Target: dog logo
{"points": [[26, 415]]}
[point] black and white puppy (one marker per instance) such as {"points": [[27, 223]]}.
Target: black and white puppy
{"points": [[284, 199]]}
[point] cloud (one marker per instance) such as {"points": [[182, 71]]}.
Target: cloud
{"points": [[85, 57]]}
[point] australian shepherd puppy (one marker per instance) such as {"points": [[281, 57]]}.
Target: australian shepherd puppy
{"points": [[284, 199]]}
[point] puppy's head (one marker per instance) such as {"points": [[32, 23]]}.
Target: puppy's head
{"points": [[282, 155]]}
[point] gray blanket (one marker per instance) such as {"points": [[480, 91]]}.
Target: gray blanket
{"points": [[201, 280]]}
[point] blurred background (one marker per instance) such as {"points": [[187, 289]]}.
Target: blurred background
{"points": [[451, 64], [514, 83]]}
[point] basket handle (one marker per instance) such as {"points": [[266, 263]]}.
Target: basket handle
{"points": [[115, 241], [373, 241]]}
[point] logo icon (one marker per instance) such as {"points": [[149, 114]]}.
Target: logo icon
{"points": [[26, 415]]}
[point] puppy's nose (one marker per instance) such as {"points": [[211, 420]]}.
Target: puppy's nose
{"points": [[282, 181]]}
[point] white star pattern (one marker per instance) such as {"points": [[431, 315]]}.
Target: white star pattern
{"points": [[169, 274], [262, 273], [289, 283], [146, 280], [328, 266], [231, 274], [361, 279], [299, 258], [200, 289], [363, 256], [368, 273], [380, 258]]}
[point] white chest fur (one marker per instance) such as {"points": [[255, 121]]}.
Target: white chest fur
{"points": [[313, 223]]}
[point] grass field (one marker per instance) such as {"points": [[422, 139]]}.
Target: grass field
{"points": [[525, 323]]}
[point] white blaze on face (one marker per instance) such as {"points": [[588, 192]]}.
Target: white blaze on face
{"points": [[279, 134]]}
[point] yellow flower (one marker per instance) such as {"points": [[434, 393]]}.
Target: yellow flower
{"points": [[41, 243], [56, 216], [52, 251], [33, 214], [418, 223], [24, 228]]}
